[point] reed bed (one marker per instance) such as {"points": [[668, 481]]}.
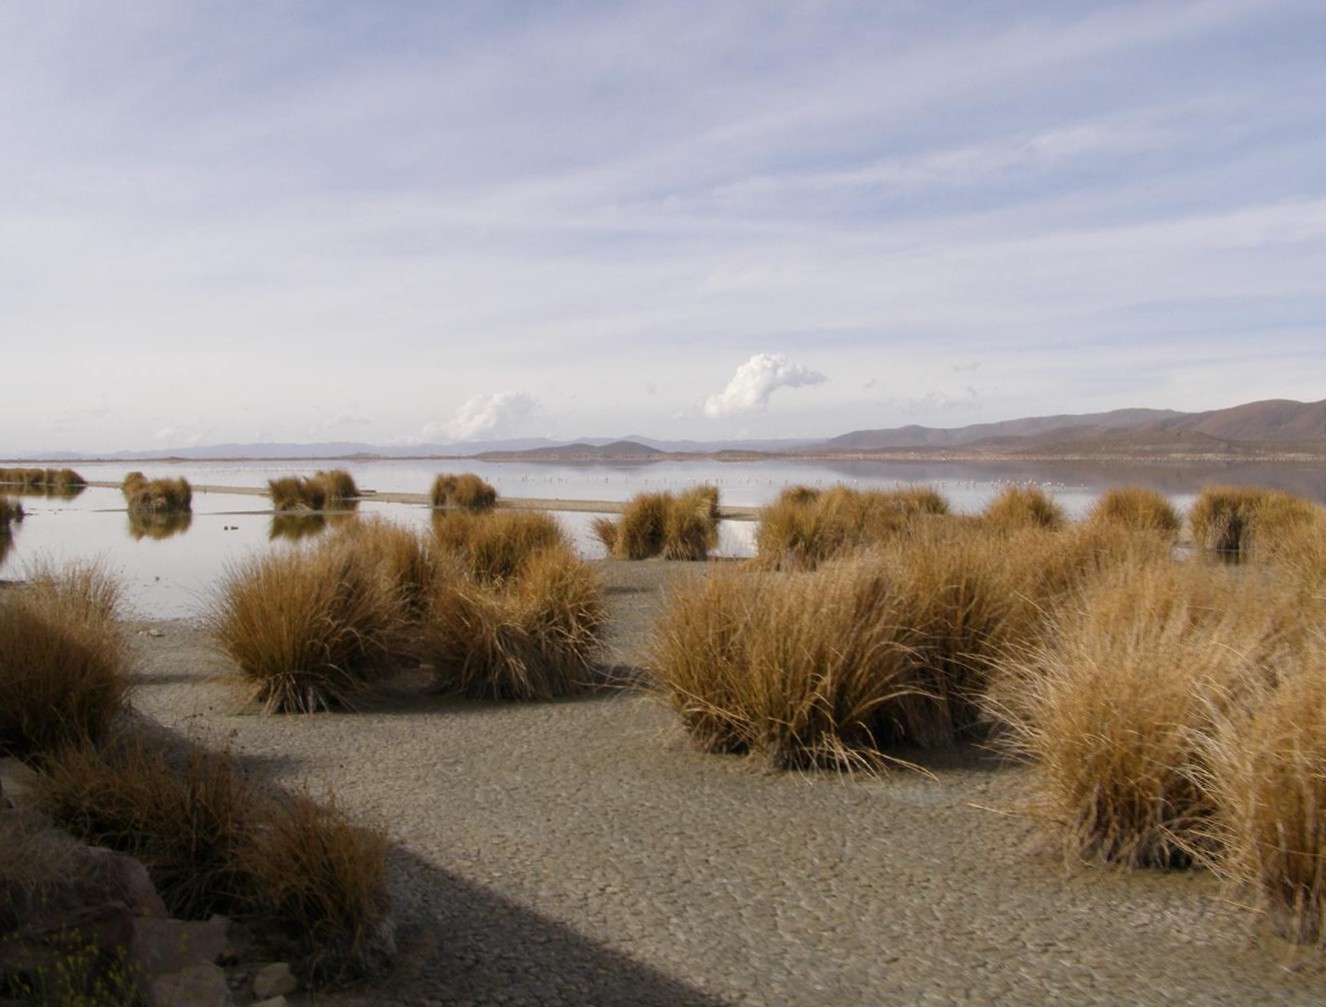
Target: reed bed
{"points": [[806, 527], [156, 496], [64, 664], [676, 527], [466, 492]]}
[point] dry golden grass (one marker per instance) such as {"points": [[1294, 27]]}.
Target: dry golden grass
{"points": [[1249, 522], [56, 480], [1111, 706], [1265, 768], [300, 872], [1138, 508], [805, 527], [404, 558], [680, 527], [156, 496], [324, 489], [1023, 506], [63, 661], [495, 545], [321, 878], [185, 815], [309, 630], [525, 637], [465, 492]]}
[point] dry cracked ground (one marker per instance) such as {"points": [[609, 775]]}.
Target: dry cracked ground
{"points": [[579, 852]]}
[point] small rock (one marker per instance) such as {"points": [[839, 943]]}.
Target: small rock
{"points": [[164, 946], [274, 980], [127, 876], [199, 985], [271, 1002]]}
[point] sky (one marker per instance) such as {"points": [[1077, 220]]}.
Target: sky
{"points": [[411, 222]]}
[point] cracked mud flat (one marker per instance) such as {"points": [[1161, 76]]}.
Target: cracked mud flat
{"points": [[579, 852]]}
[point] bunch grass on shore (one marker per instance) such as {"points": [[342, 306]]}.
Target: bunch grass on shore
{"points": [[676, 527], [1024, 506], [1138, 508], [466, 492], [805, 527], [1112, 705], [1265, 767], [309, 630], [213, 841], [492, 546], [156, 496], [528, 636], [63, 660], [1244, 522]]}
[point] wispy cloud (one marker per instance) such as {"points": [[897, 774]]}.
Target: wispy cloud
{"points": [[491, 414]]}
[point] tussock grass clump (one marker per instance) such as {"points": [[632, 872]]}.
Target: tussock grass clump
{"points": [[496, 545], [321, 878], [1265, 767], [156, 496], [465, 492], [1112, 705], [680, 527], [63, 661], [11, 513], [185, 815], [404, 558], [56, 480], [805, 527], [212, 841], [1243, 521], [310, 629], [324, 489], [890, 648], [1023, 506], [1138, 508], [525, 637]]}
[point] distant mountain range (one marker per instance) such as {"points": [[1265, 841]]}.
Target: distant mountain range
{"points": [[1275, 427]]}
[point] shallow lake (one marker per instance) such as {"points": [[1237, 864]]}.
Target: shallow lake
{"points": [[171, 572]]}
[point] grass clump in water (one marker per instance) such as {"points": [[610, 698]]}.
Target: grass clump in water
{"points": [[466, 492], [156, 496], [676, 527], [333, 489]]}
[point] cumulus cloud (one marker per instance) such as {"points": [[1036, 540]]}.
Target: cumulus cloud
{"points": [[491, 414], [757, 379]]}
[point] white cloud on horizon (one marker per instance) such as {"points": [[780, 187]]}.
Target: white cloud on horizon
{"points": [[486, 415], [756, 380]]}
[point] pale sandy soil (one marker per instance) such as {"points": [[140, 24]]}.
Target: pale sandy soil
{"points": [[579, 852]]}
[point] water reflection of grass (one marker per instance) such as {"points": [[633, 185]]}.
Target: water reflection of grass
{"points": [[148, 524], [63, 492], [294, 527]]}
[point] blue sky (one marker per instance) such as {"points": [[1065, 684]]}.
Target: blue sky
{"points": [[404, 222]]}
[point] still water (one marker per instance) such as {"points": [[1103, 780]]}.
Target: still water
{"points": [[170, 572]]}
